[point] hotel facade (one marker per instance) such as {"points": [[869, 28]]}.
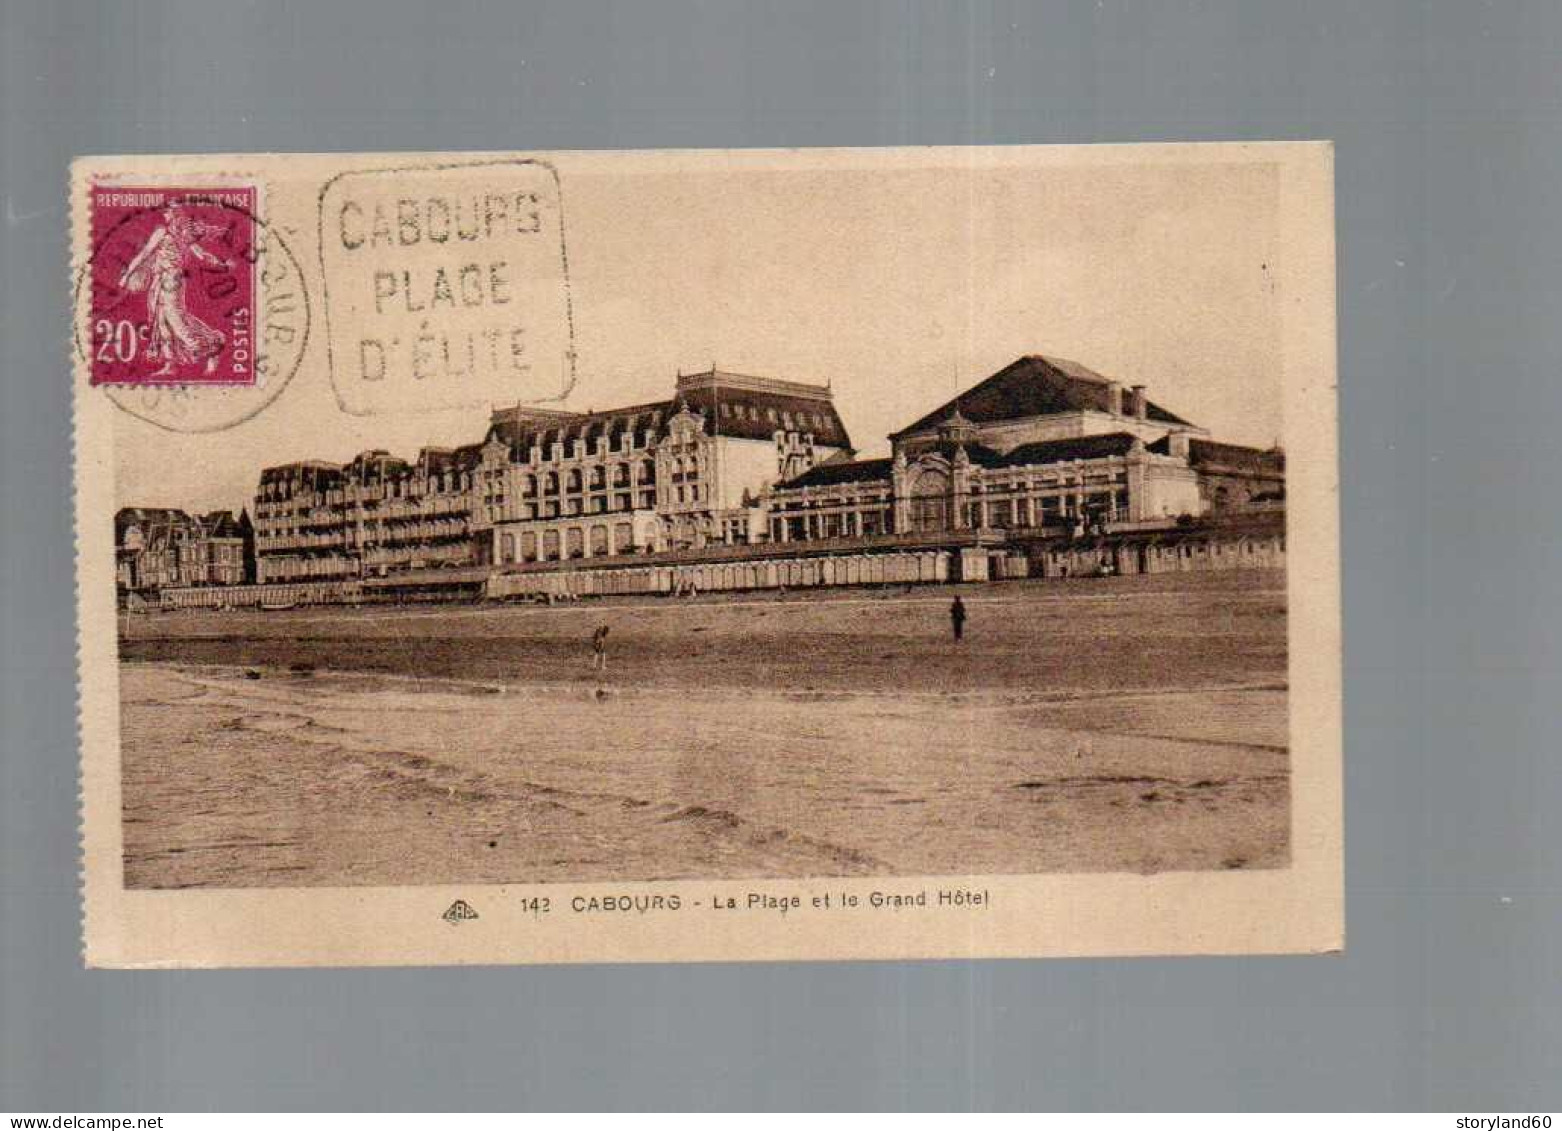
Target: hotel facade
{"points": [[1043, 454], [551, 486]]}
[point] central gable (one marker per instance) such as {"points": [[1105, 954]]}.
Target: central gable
{"points": [[1034, 385]]}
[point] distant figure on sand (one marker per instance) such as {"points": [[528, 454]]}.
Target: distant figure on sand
{"points": [[599, 649], [957, 618]]}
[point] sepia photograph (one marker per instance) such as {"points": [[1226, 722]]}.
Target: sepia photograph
{"points": [[581, 521], [693, 557]]}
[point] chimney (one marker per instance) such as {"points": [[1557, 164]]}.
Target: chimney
{"points": [[1114, 398], [1177, 444], [1138, 401]]}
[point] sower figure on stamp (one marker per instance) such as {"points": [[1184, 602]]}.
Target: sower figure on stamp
{"points": [[159, 269], [599, 649], [957, 618]]}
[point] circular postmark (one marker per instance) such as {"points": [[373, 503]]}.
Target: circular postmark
{"points": [[191, 313]]}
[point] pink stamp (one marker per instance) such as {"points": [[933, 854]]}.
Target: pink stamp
{"points": [[173, 285]]}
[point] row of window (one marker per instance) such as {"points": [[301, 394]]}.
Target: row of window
{"points": [[499, 511], [574, 481], [1004, 513], [802, 528], [165, 574], [600, 443], [272, 495], [335, 503], [554, 545], [373, 528], [197, 553], [791, 421], [1089, 480], [409, 487], [931, 513]]}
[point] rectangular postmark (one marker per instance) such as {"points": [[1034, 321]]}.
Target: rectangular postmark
{"points": [[445, 285], [823, 554]]}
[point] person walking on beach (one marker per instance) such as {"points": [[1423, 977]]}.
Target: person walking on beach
{"points": [[957, 618], [599, 649]]}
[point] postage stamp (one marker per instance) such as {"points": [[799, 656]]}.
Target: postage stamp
{"points": [[183, 287], [173, 285], [821, 554]]}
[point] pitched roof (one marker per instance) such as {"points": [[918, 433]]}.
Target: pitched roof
{"points": [[221, 524], [729, 410], [314, 471], [758, 414], [1075, 447], [1032, 386], [520, 434], [842, 471], [1209, 453], [150, 520], [374, 465]]}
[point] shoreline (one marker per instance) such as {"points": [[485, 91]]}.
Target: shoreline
{"points": [[821, 738], [1023, 640], [231, 782], [593, 686]]}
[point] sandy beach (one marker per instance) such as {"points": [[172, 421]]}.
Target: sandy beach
{"points": [[1125, 724]]}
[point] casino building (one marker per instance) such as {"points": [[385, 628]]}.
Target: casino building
{"points": [[1042, 445]]}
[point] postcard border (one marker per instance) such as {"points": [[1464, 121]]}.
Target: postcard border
{"points": [[1295, 909]]}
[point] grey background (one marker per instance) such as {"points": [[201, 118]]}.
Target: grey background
{"points": [[1448, 118]]}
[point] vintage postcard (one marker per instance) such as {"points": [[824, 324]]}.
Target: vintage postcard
{"points": [[696, 556]]}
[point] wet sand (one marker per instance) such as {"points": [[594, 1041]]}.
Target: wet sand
{"points": [[1134, 724]]}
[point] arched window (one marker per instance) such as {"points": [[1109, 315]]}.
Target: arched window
{"points": [[573, 480], [551, 483]]}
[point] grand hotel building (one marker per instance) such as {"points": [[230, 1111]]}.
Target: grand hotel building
{"points": [[551, 486], [1044, 445]]}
